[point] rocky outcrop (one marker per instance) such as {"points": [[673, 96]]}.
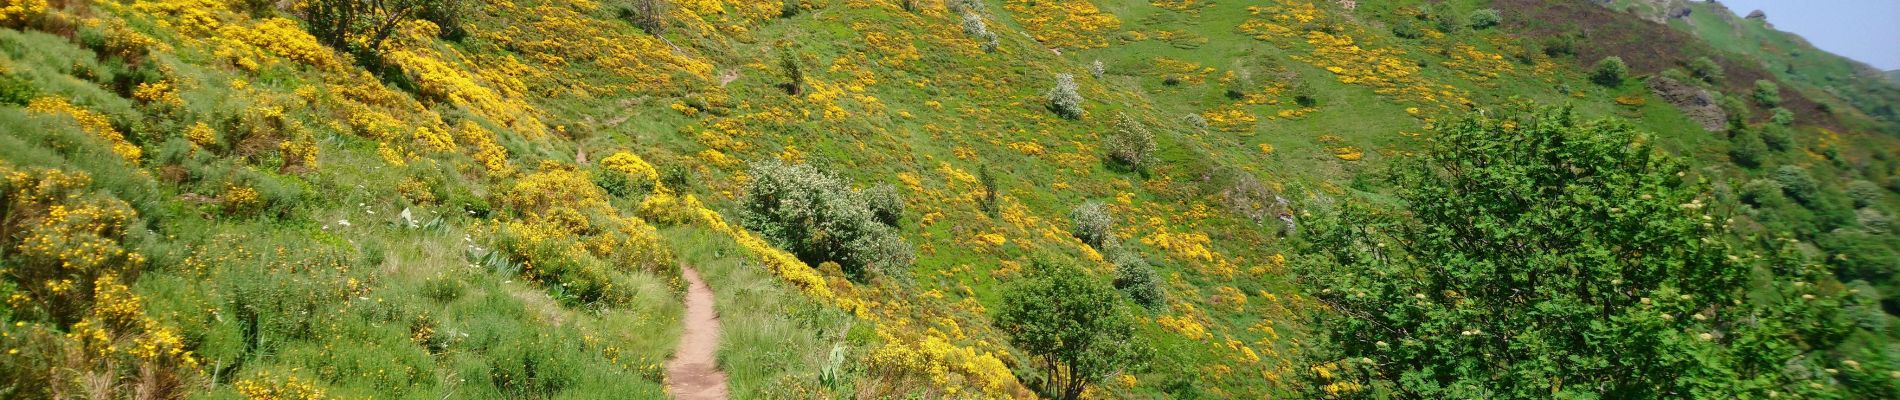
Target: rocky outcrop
{"points": [[1695, 102]]}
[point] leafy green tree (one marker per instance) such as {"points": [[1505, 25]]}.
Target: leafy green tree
{"points": [[1562, 259], [1484, 18], [1767, 94], [1610, 71], [1798, 184], [1746, 148], [1076, 327]]}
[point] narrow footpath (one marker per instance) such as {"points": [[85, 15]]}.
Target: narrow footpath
{"points": [[693, 373]]}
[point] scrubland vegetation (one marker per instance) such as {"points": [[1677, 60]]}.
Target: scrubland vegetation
{"points": [[940, 199]]}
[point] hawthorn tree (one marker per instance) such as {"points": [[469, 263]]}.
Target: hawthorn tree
{"points": [[1537, 256], [1076, 327]]}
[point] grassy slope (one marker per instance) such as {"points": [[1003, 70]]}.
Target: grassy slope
{"points": [[918, 101]]}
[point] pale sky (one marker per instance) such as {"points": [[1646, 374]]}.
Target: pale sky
{"points": [[1864, 30]]}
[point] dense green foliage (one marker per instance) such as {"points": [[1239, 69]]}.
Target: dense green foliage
{"points": [[1540, 255], [1610, 71], [818, 217], [1076, 327]]}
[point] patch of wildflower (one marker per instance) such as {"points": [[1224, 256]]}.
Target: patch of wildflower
{"points": [[1065, 23], [1230, 118], [16, 13], [632, 165], [264, 386], [90, 121]]}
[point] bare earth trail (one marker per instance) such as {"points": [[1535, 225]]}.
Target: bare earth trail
{"points": [[694, 373]]}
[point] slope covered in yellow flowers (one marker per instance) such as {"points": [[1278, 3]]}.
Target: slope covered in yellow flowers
{"points": [[201, 198]]}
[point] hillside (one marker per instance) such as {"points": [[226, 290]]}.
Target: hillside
{"points": [[450, 199]]}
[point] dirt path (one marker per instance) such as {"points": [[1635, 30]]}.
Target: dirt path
{"points": [[694, 371]]}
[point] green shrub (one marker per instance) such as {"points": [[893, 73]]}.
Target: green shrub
{"points": [[1305, 95], [1074, 326], [1610, 71], [1406, 29], [1735, 109], [616, 183], [1746, 148], [1797, 183], [1865, 193], [1138, 280], [16, 91], [1131, 145], [1767, 94], [1778, 138], [1195, 120], [1093, 224], [1762, 193], [1500, 220], [1063, 98], [886, 203], [1484, 18], [973, 25], [1873, 220], [816, 216], [1781, 116], [1706, 69]]}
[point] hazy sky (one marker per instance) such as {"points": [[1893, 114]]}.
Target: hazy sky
{"points": [[1864, 30]]}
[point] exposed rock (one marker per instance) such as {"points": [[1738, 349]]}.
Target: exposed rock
{"points": [[1757, 15], [1697, 103]]}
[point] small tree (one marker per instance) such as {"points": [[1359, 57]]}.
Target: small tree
{"points": [[1746, 148], [795, 77], [1781, 116], [1063, 99], [644, 14], [1767, 93], [1093, 224], [1485, 18], [1798, 184], [1706, 69], [1131, 144], [1762, 193], [336, 22], [1077, 328], [1546, 257], [988, 180], [1610, 71]]}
